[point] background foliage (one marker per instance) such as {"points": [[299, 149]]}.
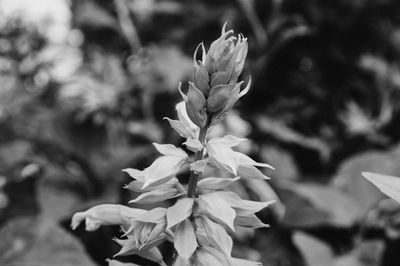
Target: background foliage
{"points": [[83, 92]]}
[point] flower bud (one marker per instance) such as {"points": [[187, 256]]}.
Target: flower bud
{"points": [[219, 97], [195, 105], [201, 77]]}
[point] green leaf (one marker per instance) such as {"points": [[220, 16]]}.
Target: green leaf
{"points": [[157, 195], [162, 169], [193, 144], [215, 183], [207, 255], [250, 221], [228, 141], [389, 185], [171, 150], [137, 185], [242, 207], [243, 262], [250, 172], [179, 212], [216, 235], [199, 166], [224, 156], [185, 241], [218, 209], [243, 159]]}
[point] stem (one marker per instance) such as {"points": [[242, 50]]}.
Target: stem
{"points": [[199, 155]]}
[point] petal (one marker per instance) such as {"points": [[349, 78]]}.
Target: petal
{"points": [[193, 144], [162, 169], [105, 214]]}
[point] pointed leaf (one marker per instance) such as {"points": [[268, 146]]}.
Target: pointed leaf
{"points": [[179, 212], [250, 172], [242, 262], [162, 169], [185, 241], [134, 173], [229, 141], [389, 185], [224, 156], [169, 149], [179, 127], [215, 183], [243, 159], [218, 209], [241, 206], [249, 220], [193, 144], [157, 195], [217, 235], [137, 185]]}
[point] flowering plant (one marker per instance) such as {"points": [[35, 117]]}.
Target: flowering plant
{"points": [[204, 215]]}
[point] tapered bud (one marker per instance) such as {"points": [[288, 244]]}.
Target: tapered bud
{"points": [[201, 77], [219, 97], [195, 105], [225, 58]]}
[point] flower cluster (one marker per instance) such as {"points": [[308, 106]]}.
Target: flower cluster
{"points": [[205, 214]]}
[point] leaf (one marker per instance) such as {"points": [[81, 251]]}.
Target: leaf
{"points": [[224, 156], [251, 172], [215, 183], [314, 251], [243, 262], [218, 209], [157, 195], [389, 185], [179, 127], [207, 255], [179, 212], [118, 263], [242, 206], [193, 144], [185, 120], [171, 150], [137, 185], [228, 141], [217, 235], [250, 221], [185, 241], [129, 248], [162, 169], [243, 159], [134, 173]]}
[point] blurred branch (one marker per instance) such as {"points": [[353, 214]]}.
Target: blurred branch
{"points": [[248, 8], [126, 24], [283, 133]]}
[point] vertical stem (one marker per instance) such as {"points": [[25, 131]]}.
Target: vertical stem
{"points": [[194, 177]]}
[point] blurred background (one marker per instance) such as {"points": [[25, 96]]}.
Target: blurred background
{"points": [[84, 87]]}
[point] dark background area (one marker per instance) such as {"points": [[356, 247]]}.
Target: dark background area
{"points": [[83, 94]]}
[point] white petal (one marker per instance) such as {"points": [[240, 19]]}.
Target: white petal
{"points": [[243, 159], [225, 156], [215, 183]]}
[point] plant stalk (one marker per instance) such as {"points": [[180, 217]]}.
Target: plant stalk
{"points": [[199, 155]]}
